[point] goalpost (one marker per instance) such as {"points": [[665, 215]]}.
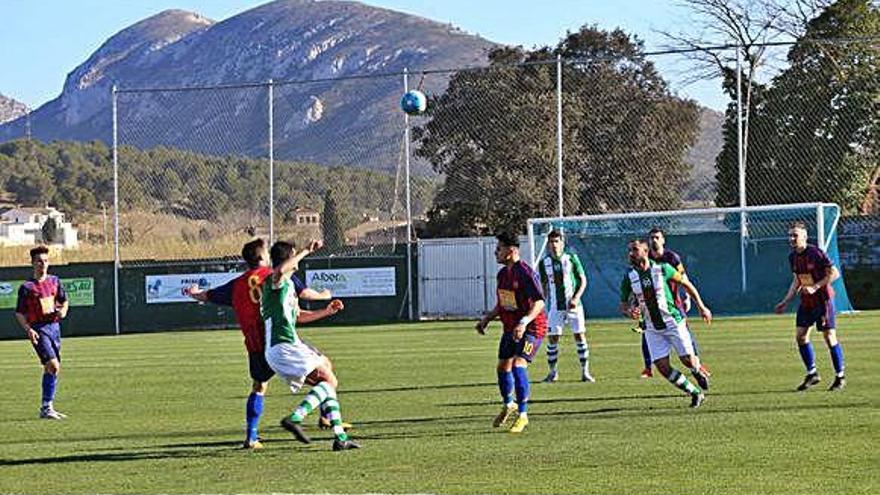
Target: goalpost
{"points": [[738, 257]]}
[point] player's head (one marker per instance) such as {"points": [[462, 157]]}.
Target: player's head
{"points": [[556, 242], [797, 234], [638, 251], [656, 238], [255, 253], [281, 251], [40, 260], [507, 249]]}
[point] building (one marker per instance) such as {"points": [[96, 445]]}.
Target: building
{"points": [[306, 216], [23, 226]]}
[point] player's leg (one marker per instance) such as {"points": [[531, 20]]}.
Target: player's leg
{"points": [[827, 325], [48, 349], [579, 331], [326, 378], [554, 323], [324, 421], [526, 349], [659, 346], [646, 354], [703, 367], [805, 319], [687, 354], [260, 373], [506, 384]]}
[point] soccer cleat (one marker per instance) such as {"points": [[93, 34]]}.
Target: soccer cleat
{"points": [[254, 444], [345, 445], [702, 379], [705, 370], [551, 377], [520, 424], [50, 413], [839, 384], [809, 380], [587, 377], [504, 415], [646, 373], [697, 400], [324, 424], [636, 330], [295, 428]]}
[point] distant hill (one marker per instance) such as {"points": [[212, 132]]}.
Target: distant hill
{"points": [[11, 109], [701, 186]]}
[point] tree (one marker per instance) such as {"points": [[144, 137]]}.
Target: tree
{"points": [[51, 231], [333, 221], [492, 134]]}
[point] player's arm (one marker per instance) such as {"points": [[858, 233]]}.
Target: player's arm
{"points": [[221, 296], [20, 317], [626, 308], [831, 274], [292, 264], [308, 316], [535, 309], [674, 275], [312, 295], [62, 305], [582, 281], [789, 295], [491, 315], [532, 287]]}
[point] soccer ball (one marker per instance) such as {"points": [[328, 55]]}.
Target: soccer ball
{"points": [[414, 102]]}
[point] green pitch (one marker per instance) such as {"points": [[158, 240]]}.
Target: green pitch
{"points": [[163, 413]]}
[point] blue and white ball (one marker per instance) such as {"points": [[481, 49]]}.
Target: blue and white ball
{"points": [[414, 102]]}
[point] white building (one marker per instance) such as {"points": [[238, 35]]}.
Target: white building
{"points": [[22, 226]]}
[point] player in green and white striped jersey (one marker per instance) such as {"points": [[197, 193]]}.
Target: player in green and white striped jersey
{"points": [[665, 326], [292, 359], [564, 282]]}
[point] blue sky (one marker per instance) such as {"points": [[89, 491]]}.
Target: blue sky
{"points": [[43, 40]]}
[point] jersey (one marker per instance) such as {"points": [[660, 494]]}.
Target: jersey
{"points": [[280, 306], [562, 278], [517, 289], [243, 293], [37, 300], [809, 266], [674, 260], [652, 290]]}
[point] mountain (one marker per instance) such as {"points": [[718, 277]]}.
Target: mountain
{"points": [[11, 109], [356, 122], [700, 188]]}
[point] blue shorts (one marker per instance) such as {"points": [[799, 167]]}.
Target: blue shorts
{"points": [[526, 348], [823, 316], [48, 347], [259, 367]]}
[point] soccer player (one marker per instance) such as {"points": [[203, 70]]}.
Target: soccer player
{"points": [[296, 362], [659, 254], [564, 282], [42, 304], [813, 273], [665, 327], [521, 308], [243, 294]]}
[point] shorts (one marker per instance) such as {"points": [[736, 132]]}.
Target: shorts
{"points": [[526, 348], [259, 368], [293, 362], [823, 316], [557, 319], [48, 347], [661, 341]]}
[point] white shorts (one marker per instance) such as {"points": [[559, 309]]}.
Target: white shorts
{"points": [[557, 319], [293, 362], [660, 341]]}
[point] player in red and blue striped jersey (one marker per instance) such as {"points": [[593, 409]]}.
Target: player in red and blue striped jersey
{"points": [[521, 308], [42, 304], [813, 272]]}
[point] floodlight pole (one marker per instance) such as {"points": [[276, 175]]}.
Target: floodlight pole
{"points": [[409, 228], [741, 165], [116, 260], [271, 95]]}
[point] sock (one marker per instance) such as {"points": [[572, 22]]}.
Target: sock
{"points": [[694, 343], [583, 355], [677, 379], [313, 399], [253, 411], [506, 384], [330, 409], [646, 353], [521, 380], [49, 382], [808, 357], [837, 359], [552, 355]]}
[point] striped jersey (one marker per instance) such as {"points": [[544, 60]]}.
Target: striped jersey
{"points": [[279, 307], [561, 277], [651, 289]]}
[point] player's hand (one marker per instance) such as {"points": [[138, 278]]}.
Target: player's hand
{"points": [[335, 306], [518, 332], [191, 290], [315, 244], [809, 289], [61, 309], [33, 336], [573, 304], [481, 326], [780, 307], [635, 313], [706, 314]]}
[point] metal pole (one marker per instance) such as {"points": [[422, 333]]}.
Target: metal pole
{"points": [[743, 227], [559, 130], [271, 163], [409, 229], [820, 227], [116, 260]]}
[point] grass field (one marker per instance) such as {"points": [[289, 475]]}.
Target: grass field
{"points": [[163, 413]]}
